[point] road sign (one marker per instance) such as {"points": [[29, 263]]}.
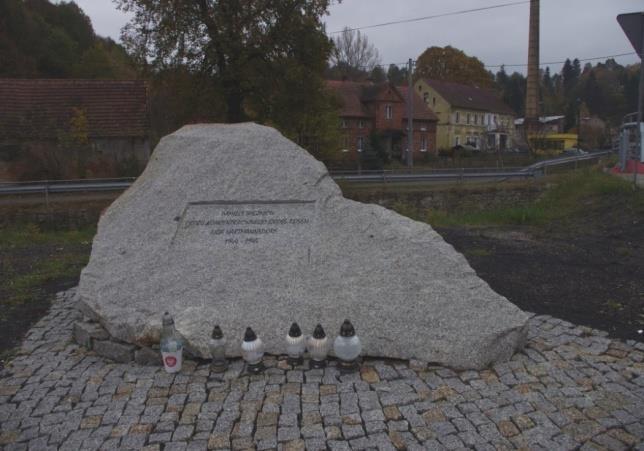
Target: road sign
{"points": [[633, 26]]}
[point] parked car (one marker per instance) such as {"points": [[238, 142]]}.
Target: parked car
{"points": [[573, 152], [465, 147]]}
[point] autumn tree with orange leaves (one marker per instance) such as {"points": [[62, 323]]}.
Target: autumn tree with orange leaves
{"points": [[451, 64]]}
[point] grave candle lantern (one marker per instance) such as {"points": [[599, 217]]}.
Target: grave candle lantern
{"points": [[347, 347], [295, 345], [171, 345], [253, 352], [318, 347], [218, 350]]}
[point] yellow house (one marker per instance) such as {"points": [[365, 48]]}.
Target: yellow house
{"points": [[468, 115]]}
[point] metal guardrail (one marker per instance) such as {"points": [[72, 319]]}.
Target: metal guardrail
{"points": [[494, 174], [385, 176], [565, 160], [65, 186]]}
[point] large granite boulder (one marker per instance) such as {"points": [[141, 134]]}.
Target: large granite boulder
{"points": [[237, 225]]}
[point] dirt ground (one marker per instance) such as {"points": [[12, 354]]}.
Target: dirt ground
{"points": [[33, 270], [589, 271], [16, 319]]}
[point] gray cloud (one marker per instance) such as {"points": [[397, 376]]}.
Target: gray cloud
{"points": [[569, 28]]}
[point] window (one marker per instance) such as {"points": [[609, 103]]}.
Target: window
{"points": [[495, 118], [433, 101], [345, 144], [360, 124], [457, 140], [344, 123], [425, 97], [389, 112], [360, 143], [423, 143], [458, 118], [468, 118], [476, 119]]}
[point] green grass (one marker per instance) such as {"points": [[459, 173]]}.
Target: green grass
{"points": [[21, 287], [30, 258], [566, 196], [501, 216], [28, 234], [478, 252]]}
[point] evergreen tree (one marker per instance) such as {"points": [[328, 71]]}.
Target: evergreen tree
{"points": [[568, 77], [547, 84], [593, 94], [512, 89], [502, 78], [397, 76], [576, 67], [378, 75]]}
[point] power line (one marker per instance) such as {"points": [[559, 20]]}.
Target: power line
{"points": [[386, 65], [563, 62], [434, 16], [383, 65]]}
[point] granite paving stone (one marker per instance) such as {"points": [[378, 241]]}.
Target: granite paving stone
{"points": [[583, 392]]}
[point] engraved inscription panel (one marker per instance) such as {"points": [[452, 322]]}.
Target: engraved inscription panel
{"points": [[246, 224]]}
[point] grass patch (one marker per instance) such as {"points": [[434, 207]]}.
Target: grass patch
{"points": [[567, 196], [28, 234], [478, 252], [22, 287], [35, 264], [502, 216], [31, 258]]}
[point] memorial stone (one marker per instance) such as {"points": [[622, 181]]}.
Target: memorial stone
{"points": [[238, 226]]}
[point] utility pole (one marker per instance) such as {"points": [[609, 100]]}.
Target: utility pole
{"points": [[410, 116], [531, 124]]}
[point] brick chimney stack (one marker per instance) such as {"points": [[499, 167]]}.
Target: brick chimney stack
{"points": [[532, 89]]}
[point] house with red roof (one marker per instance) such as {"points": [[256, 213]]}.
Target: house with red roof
{"points": [[469, 115], [369, 107], [63, 128]]}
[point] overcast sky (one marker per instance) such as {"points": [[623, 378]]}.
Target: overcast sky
{"points": [[569, 28]]}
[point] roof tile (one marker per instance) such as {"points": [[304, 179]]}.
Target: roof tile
{"points": [[473, 97], [354, 95], [42, 108]]}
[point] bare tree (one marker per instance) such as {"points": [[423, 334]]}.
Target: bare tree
{"points": [[354, 52]]}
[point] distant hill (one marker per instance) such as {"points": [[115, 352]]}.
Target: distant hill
{"points": [[39, 39]]}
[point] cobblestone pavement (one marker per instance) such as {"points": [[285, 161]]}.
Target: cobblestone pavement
{"points": [[570, 388]]}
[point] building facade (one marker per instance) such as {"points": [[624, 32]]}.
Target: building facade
{"points": [[67, 128], [468, 115], [382, 108]]}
